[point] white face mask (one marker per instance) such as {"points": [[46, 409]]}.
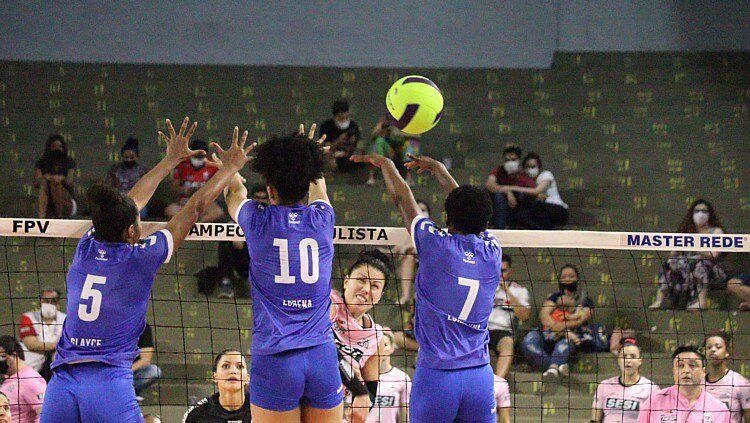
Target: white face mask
{"points": [[196, 162], [511, 166], [700, 217], [49, 310], [343, 125], [533, 171]]}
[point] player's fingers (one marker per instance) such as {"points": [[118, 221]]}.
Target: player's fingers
{"points": [[326, 148], [235, 134], [192, 153], [191, 130], [250, 148], [301, 129], [163, 137], [311, 135], [184, 125], [243, 140], [171, 129], [321, 139], [218, 148]]}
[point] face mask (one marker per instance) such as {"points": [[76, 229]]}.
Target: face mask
{"points": [[533, 171], [196, 162], [511, 166], [343, 125], [49, 310], [130, 163], [700, 218], [570, 287]]}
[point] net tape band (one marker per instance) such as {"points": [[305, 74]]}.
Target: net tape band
{"points": [[384, 236]]}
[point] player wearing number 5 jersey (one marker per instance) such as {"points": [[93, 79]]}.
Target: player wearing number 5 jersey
{"points": [[294, 372], [459, 271], [108, 287]]}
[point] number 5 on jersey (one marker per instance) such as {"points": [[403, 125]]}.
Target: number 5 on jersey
{"points": [[89, 313], [308, 261]]}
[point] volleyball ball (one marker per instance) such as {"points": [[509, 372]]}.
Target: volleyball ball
{"points": [[414, 104]]}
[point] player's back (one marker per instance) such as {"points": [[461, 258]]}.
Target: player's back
{"points": [[291, 254], [455, 289], [108, 290]]}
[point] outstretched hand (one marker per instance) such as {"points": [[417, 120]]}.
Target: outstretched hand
{"points": [[311, 136], [424, 164], [236, 156], [178, 143], [374, 159]]}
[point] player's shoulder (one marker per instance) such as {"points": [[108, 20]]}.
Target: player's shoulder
{"points": [[196, 412], [610, 381], [738, 379]]}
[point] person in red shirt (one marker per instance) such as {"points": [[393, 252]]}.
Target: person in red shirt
{"points": [[506, 202], [188, 177]]}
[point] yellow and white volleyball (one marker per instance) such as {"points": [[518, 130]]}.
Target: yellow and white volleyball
{"points": [[414, 104]]}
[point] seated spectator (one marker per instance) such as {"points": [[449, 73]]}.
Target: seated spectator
{"points": [[389, 141], [189, 176], [54, 176], [394, 388], [144, 372], [123, 175], [40, 330], [232, 402], [407, 255], [685, 276], [5, 416], [548, 209], [23, 386], [739, 286], [511, 303], [507, 203], [566, 328], [152, 418], [342, 134], [234, 260]]}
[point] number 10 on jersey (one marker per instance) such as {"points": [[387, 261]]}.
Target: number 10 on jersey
{"points": [[309, 261]]}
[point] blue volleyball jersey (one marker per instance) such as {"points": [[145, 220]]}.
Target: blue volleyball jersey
{"points": [[109, 284], [455, 290], [291, 253]]}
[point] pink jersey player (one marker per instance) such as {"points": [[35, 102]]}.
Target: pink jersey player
{"points": [[393, 394], [668, 405], [25, 391], [620, 403], [502, 398], [356, 343], [734, 391]]}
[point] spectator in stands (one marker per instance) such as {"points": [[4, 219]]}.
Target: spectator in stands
{"points": [[511, 304], [234, 259], [728, 386], [407, 255], [5, 416], [619, 398], [548, 210], [54, 176], [392, 400], [685, 276], [124, 174], [23, 386], [566, 328], [739, 286], [232, 402], [389, 142], [40, 330], [507, 203], [686, 400], [145, 373], [502, 399], [342, 134], [152, 418], [189, 176]]}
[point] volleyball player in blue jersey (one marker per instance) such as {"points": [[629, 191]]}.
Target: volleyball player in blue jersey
{"points": [[459, 271], [294, 372], [109, 283]]}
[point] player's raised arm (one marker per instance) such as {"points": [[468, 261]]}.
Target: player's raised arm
{"points": [[436, 169], [397, 188], [177, 151], [318, 190], [233, 160]]}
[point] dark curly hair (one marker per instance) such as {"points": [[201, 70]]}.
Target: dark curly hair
{"points": [[112, 213], [378, 260], [289, 164], [689, 348], [469, 209]]}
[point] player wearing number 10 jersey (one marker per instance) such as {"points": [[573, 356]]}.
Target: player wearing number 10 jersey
{"points": [[294, 372], [459, 271], [108, 287]]}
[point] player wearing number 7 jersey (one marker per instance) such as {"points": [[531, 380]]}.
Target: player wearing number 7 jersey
{"points": [[295, 371], [108, 286], [459, 271]]}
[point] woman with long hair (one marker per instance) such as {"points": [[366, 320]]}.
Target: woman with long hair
{"points": [[725, 384]]}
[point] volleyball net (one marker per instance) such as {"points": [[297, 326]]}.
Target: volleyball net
{"points": [[619, 273]]}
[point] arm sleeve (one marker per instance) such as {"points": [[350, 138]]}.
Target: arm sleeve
{"points": [[523, 297], [323, 214], [644, 416], [503, 396], [425, 234], [26, 327], [545, 176], [247, 214], [598, 403], [157, 248], [406, 392]]}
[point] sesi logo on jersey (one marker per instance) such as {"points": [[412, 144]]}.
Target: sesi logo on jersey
{"points": [[622, 404], [384, 401]]}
